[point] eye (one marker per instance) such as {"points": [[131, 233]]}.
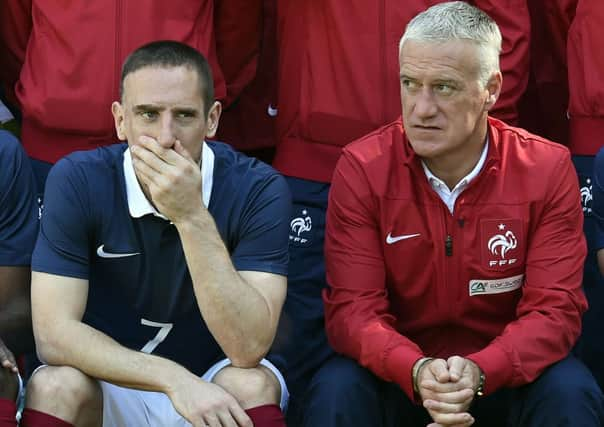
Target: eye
{"points": [[148, 115], [444, 88], [409, 84]]}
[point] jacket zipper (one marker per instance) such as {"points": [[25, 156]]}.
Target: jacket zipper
{"points": [[449, 245]]}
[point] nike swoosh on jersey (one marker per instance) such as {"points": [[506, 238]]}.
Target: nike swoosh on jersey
{"points": [[390, 240], [101, 252]]}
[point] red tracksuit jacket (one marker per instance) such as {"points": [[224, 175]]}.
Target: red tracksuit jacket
{"points": [[66, 59], [497, 281], [586, 78], [338, 73]]}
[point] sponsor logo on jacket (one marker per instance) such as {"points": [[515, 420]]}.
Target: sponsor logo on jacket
{"points": [[495, 286]]}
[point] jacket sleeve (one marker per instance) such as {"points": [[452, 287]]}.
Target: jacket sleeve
{"points": [[513, 19], [585, 52], [15, 28], [358, 320], [552, 303]]}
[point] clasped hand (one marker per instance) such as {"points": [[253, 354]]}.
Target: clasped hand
{"points": [[447, 389]]}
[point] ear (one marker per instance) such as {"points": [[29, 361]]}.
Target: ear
{"points": [[213, 119], [118, 118], [494, 89]]}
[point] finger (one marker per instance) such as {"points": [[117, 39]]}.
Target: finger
{"points": [[456, 366], [439, 370], [461, 396], [141, 155], [455, 425], [168, 155], [449, 387], [462, 418], [226, 419], [444, 407], [181, 150], [211, 421], [8, 360], [240, 416]]}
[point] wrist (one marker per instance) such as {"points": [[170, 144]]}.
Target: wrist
{"points": [[479, 392], [417, 367]]}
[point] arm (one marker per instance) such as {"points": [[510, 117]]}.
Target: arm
{"points": [[18, 231], [241, 308], [513, 19], [552, 303], [357, 313], [58, 304], [15, 311], [585, 78]]}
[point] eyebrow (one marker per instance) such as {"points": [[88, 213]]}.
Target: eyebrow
{"points": [[147, 107]]}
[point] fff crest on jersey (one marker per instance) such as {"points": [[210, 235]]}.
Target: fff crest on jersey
{"points": [[502, 243], [301, 228], [585, 186]]}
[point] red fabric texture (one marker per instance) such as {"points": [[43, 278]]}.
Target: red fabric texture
{"points": [[33, 418], [585, 50], [69, 55], [338, 73], [392, 302], [266, 416], [8, 409]]}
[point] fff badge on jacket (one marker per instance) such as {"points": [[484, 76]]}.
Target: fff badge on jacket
{"points": [[502, 249]]}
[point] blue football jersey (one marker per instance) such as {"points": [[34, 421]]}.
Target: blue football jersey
{"points": [[140, 289], [18, 206]]}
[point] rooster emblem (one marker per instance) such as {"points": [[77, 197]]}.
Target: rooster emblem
{"points": [[299, 225], [502, 243], [586, 196]]}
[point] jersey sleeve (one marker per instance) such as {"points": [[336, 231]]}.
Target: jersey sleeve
{"points": [[549, 312], [513, 19], [18, 207], [62, 246], [358, 319], [264, 231], [597, 203]]}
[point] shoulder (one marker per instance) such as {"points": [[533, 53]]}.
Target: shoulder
{"points": [[92, 167], [235, 170], [529, 149], [12, 155], [376, 144]]}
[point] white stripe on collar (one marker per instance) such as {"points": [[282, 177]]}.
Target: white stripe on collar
{"points": [[139, 205]]}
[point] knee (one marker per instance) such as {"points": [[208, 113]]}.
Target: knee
{"points": [[569, 387], [60, 384], [9, 384], [251, 387]]}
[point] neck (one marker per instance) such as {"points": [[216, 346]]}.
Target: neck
{"points": [[453, 167]]}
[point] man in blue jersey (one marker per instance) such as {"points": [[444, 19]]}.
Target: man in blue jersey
{"points": [[159, 262], [18, 231]]}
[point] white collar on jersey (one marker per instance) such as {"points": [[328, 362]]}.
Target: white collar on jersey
{"points": [[139, 205]]}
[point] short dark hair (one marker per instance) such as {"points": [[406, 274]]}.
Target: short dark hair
{"points": [[169, 53]]}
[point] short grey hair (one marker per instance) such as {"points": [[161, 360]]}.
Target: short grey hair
{"points": [[458, 20]]}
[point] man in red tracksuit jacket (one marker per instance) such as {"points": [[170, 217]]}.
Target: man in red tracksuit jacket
{"points": [[454, 247], [337, 82]]}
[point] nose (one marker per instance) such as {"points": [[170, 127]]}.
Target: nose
{"points": [[425, 104], [167, 136]]}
